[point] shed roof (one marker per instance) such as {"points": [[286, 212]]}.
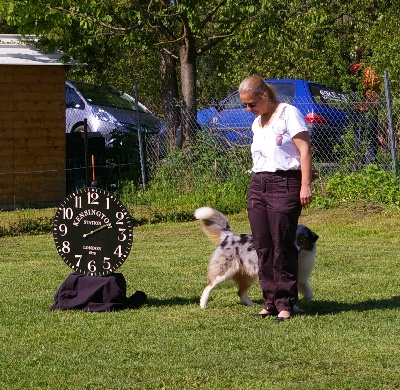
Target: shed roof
{"points": [[18, 50]]}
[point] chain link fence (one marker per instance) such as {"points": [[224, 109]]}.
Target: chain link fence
{"points": [[124, 125], [347, 134]]}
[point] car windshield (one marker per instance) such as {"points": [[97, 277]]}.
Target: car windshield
{"points": [[101, 96]]}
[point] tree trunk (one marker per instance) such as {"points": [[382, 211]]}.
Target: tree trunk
{"points": [[170, 96], [187, 58]]}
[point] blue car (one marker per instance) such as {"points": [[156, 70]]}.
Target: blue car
{"points": [[327, 113]]}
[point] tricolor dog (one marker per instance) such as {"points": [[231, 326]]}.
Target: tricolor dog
{"points": [[236, 259]]}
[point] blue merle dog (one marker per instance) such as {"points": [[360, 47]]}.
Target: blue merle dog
{"points": [[236, 259]]}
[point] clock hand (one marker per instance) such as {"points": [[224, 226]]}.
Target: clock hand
{"points": [[94, 231]]}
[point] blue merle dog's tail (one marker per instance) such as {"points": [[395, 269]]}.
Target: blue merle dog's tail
{"points": [[215, 224]]}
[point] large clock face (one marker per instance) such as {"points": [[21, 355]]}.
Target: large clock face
{"points": [[92, 231]]}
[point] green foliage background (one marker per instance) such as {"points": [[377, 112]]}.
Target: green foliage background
{"points": [[316, 40]]}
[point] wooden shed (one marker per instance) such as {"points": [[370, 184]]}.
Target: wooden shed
{"points": [[32, 125]]}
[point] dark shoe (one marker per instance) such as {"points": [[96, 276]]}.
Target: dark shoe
{"points": [[281, 319], [263, 315], [258, 315]]}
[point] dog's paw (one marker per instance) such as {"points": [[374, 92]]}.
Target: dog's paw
{"points": [[247, 301], [305, 300], [297, 310], [203, 303], [251, 303]]}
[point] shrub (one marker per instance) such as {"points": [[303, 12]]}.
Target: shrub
{"points": [[369, 185], [192, 177]]}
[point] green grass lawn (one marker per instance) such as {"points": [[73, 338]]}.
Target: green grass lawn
{"points": [[349, 338]]}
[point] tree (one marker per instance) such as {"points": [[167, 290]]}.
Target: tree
{"points": [[182, 30], [292, 38]]}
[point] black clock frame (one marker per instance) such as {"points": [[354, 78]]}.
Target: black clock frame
{"points": [[93, 231]]}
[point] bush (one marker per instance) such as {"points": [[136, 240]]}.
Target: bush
{"points": [[192, 177], [19, 222], [369, 185], [203, 174]]}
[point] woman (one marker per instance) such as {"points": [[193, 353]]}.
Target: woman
{"points": [[280, 186]]}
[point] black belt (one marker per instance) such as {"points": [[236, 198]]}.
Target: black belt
{"points": [[289, 173]]}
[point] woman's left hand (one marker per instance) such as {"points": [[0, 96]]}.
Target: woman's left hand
{"points": [[303, 144], [305, 194]]}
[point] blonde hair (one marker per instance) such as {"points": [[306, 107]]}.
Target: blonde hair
{"points": [[256, 85]]}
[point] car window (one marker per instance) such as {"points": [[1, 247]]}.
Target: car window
{"points": [[324, 96], [72, 99], [233, 101], [142, 108], [285, 92], [101, 96]]}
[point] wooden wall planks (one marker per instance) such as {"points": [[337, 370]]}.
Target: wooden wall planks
{"points": [[32, 135]]}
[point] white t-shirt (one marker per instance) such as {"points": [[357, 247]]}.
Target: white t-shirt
{"points": [[273, 148]]}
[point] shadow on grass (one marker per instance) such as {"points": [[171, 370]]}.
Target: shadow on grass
{"points": [[332, 307], [174, 301], [314, 308]]}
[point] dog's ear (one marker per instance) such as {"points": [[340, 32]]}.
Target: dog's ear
{"points": [[314, 236]]}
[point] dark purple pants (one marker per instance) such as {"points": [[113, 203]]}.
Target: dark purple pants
{"points": [[274, 207]]}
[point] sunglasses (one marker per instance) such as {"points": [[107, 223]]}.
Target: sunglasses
{"points": [[251, 105]]}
